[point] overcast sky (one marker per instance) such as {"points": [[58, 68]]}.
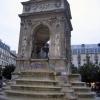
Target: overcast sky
{"points": [[85, 21]]}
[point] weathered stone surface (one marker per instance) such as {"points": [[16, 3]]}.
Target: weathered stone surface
{"points": [[44, 70], [44, 84], [43, 21]]}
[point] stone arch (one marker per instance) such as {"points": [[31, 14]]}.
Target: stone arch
{"points": [[42, 36]]}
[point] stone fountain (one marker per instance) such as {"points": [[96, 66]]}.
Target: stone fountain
{"points": [[43, 62]]}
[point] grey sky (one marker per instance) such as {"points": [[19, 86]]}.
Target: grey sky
{"points": [[85, 20]]}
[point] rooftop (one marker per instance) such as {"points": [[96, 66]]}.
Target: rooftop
{"points": [[4, 46]]}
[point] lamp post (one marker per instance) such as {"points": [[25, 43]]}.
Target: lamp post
{"points": [[1, 76], [98, 52]]}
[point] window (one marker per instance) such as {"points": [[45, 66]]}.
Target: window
{"points": [[83, 51], [74, 51], [79, 51], [98, 50]]}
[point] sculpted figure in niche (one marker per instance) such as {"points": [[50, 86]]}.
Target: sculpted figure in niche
{"points": [[27, 8], [58, 4], [46, 50], [24, 43]]}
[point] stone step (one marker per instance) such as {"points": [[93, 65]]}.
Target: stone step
{"points": [[48, 72], [33, 94], [36, 88], [68, 91], [32, 98], [72, 98], [78, 83], [37, 75], [81, 89], [32, 81], [86, 96], [6, 87], [74, 77], [70, 94], [66, 87]]}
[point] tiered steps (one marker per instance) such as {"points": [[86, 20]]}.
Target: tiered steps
{"points": [[81, 90], [32, 81], [33, 95], [66, 88], [43, 84], [36, 85], [78, 83], [36, 88]]}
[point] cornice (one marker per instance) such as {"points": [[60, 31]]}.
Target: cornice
{"points": [[41, 13]]}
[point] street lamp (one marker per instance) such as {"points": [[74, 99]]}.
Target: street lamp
{"points": [[1, 76]]}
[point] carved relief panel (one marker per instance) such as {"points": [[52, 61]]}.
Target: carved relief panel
{"points": [[26, 29], [43, 6], [56, 25]]}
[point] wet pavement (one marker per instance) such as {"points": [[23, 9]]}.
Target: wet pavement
{"points": [[98, 98]]}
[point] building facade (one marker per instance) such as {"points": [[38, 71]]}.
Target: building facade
{"points": [[7, 57], [84, 52]]}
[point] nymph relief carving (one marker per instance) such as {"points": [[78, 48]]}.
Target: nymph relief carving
{"points": [[27, 8], [42, 6], [58, 4]]}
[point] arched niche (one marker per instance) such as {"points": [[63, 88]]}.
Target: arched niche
{"points": [[41, 37]]}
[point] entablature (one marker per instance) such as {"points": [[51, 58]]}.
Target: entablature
{"points": [[42, 5]]}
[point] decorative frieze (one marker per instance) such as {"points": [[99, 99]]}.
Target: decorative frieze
{"points": [[43, 6]]}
